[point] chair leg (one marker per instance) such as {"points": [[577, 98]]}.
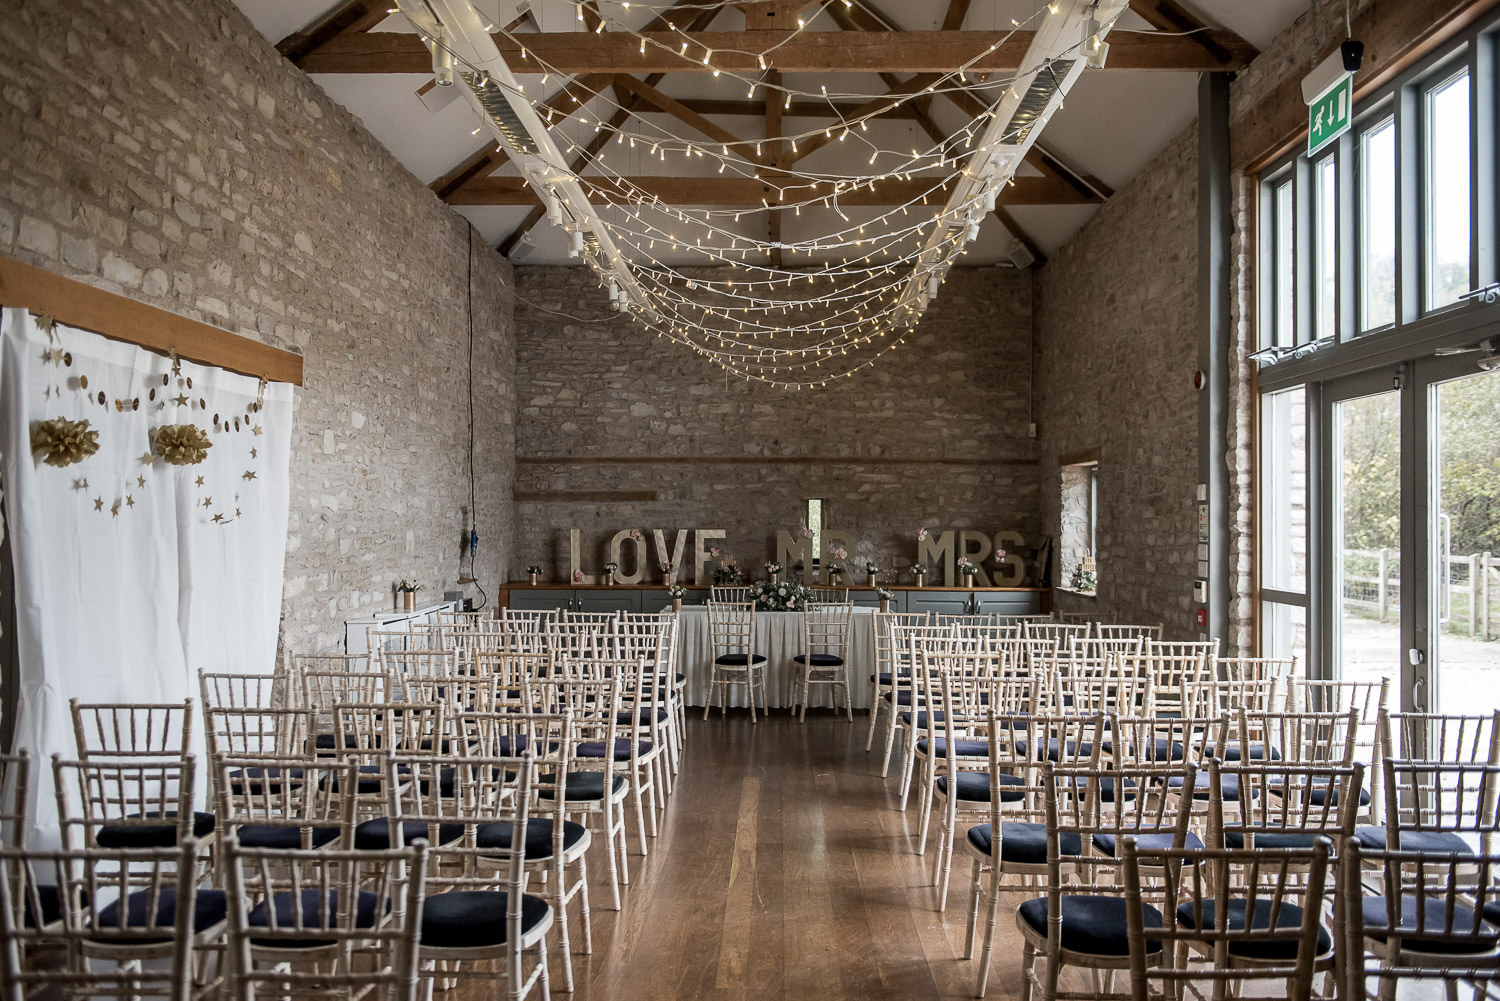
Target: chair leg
{"points": [[926, 797], [890, 741], [874, 715], [584, 917], [848, 697], [908, 762], [559, 898], [976, 887]]}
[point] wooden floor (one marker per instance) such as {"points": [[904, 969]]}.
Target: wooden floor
{"points": [[784, 870]]}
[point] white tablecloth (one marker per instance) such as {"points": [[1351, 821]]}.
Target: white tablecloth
{"points": [[778, 637]]}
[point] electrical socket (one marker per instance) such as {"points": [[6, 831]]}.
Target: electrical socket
{"points": [[1031, 430]]}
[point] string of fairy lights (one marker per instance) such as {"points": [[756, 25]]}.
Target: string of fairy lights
{"points": [[795, 313]]}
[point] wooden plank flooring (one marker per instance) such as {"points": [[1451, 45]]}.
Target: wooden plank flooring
{"points": [[783, 870]]}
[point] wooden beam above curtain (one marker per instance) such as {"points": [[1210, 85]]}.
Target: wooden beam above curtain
{"points": [[116, 317]]}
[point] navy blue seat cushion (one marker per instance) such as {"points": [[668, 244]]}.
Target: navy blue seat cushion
{"points": [[974, 787], [209, 908], [1434, 918], [375, 835], [883, 679], [920, 719], [277, 836], [1093, 925], [1320, 791], [736, 659], [583, 786], [370, 780], [1153, 842], [1233, 751], [1023, 843], [473, 919], [238, 776], [538, 836], [329, 741], [1271, 839], [821, 660], [1229, 785], [50, 902], [901, 698], [312, 902], [1436, 842], [595, 748], [962, 748], [641, 718], [151, 835], [1289, 917]]}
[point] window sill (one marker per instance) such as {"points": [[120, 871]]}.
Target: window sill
{"points": [[1081, 594]]}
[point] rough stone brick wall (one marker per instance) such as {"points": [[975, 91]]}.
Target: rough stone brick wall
{"points": [[166, 152], [1117, 321], [935, 434]]}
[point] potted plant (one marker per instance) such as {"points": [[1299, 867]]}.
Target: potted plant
{"points": [[408, 590], [1083, 580], [919, 571], [873, 570], [610, 569], [885, 597], [967, 569], [534, 571], [676, 591], [773, 571], [780, 596]]}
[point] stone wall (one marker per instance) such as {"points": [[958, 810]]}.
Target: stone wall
{"points": [[169, 154], [617, 429], [1117, 321]]}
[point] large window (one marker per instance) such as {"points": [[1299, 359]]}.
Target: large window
{"points": [[1371, 402]]}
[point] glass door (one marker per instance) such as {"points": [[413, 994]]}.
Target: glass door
{"points": [[1365, 557], [1463, 418]]}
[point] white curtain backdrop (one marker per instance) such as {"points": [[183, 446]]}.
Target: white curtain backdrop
{"points": [[131, 574]]}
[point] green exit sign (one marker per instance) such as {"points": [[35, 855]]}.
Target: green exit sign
{"points": [[1328, 116]]}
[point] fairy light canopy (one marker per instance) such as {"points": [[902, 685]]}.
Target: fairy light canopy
{"points": [[797, 253]]}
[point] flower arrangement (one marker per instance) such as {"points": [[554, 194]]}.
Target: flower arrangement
{"points": [[871, 567], [408, 587], [611, 568], [839, 554], [780, 596], [921, 533], [534, 569], [773, 568], [885, 594], [578, 576], [666, 568], [677, 591], [1083, 580], [918, 569], [727, 572], [967, 567], [999, 557]]}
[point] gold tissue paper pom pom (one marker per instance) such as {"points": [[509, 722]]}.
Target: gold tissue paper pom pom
{"points": [[181, 444], [64, 442]]}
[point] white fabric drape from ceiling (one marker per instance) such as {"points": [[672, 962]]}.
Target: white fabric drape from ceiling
{"points": [[132, 574]]}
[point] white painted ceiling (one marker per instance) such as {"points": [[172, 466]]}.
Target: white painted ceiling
{"points": [[1110, 127]]}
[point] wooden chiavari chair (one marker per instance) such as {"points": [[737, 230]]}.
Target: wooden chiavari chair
{"points": [[731, 629], [823, 660], [890, 662]]}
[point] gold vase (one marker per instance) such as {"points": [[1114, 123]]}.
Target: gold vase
{"points": [[409, 601], [533, 579], [873, 578], [609, 580], [921, 578], [676, 604], [885, 604]]}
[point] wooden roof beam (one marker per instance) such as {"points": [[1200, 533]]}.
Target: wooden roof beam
{"points": [[675, 108], [807, 52], [727, 191]]}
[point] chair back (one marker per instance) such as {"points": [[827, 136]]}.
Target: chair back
{"points": [[255, 732], [1205, 889], [297, 801], [355, 912], [1268, 803], [157, 886], [731, 594], [1431, 920], [1122, 631], [124, 802], [247, 691], [731, 629], [888, 630], [1427, 799], [15, 782], [825, 629], [828, 595], [132, 730]]}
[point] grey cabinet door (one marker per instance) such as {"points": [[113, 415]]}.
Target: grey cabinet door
{"points": [[608, 600], [941, 602], [1009, 602], [548, 599]]}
